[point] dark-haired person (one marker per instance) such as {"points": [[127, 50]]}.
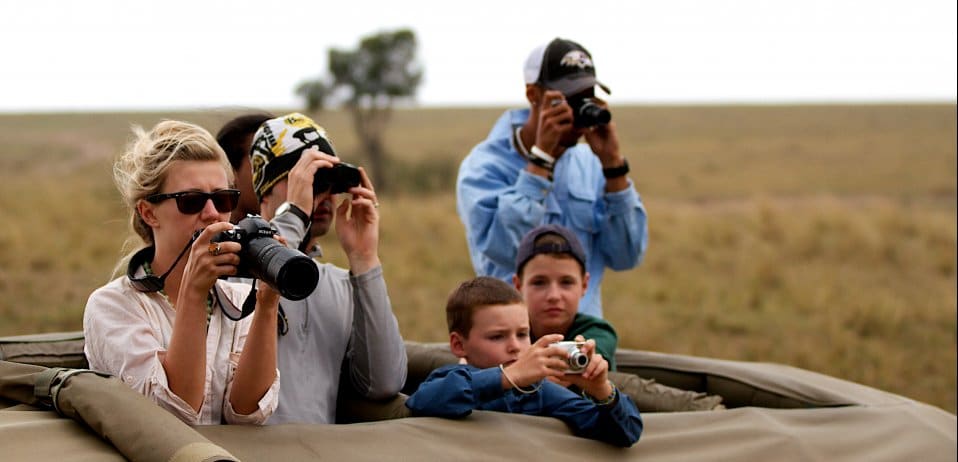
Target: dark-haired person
{"points": [[160, 329], [343, 339], [531, 170], [236, 139]]}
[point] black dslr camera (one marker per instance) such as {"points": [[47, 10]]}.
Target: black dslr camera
{"points": [[586, 113], [337, 179], [289, 271]]}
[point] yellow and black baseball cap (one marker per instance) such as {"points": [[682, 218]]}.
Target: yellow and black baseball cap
{"points": [[278, 145]]}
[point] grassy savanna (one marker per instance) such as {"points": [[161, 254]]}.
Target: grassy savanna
{"points": [[822, 237]]}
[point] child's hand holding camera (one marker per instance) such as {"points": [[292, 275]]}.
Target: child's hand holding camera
{"points": [[594, 380], [537, 362]]}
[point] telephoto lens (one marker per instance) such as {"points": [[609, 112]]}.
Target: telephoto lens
{"points": [[289, 271]]}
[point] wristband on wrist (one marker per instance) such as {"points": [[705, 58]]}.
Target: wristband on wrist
{"points": [[610, 400], [517, 387], [295, 210], [541, 158], [615, 172]]}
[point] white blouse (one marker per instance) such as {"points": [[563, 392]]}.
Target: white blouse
{"points": [[127, 333]]}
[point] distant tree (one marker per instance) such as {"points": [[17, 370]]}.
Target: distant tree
{"points": [[377, 74], [315, 93]]}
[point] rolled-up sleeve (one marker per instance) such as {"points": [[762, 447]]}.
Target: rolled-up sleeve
{"points": [[127, 334], [264, 407], [120, 340]]}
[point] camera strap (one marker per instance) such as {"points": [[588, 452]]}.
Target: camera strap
{"points": [[248, 305], [517, 142], [536, 156], [282, 324], [152, 283], [307, 238]]}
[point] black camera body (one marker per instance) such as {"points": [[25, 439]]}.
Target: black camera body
{"points": [[337, 179], [287, 270], [586, 113]]}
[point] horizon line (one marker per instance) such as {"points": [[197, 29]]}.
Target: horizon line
{"points": [[488, 105]]}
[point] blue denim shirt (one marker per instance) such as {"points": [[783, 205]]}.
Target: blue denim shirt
{"points": [[498, 201], [454, 391]]}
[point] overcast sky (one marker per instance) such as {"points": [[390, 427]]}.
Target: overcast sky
{"points": [[105, 54]]}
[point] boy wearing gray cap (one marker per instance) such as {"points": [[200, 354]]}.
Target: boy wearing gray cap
{"points": [[550, 275]]}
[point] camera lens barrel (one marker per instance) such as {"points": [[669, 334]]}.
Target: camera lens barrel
{"points": [[293, 274], [591, 114], [287, 270], [578, 361]]}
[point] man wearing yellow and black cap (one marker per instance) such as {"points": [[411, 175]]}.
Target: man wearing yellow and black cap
{"points": [[347, 324], [532, 170]]}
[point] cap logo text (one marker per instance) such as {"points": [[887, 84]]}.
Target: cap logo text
{"points": [[576, 58]]}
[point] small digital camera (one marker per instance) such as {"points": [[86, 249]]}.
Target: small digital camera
{"points": [[577, 361]]}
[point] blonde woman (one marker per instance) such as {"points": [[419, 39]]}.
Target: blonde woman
{"points": [[160, 327]]}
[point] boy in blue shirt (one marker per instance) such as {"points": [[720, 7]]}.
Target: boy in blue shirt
{"points": [[501, 371]]}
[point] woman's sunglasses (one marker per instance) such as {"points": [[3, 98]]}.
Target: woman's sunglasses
{"points": [[192, 202]]}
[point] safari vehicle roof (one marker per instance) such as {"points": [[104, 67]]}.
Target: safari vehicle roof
{"points": [[775, 412]]}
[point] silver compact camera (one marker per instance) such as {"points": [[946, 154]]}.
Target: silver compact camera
{"points": [[577, 361]]}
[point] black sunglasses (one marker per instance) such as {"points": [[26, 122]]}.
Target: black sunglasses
{"points": [[192, 202]]}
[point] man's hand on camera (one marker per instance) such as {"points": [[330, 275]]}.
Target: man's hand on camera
{"points": [[299, 190], [555, 120], [357, 225], [604, 141]]}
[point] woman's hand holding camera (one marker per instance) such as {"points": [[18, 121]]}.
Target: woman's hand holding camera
{"points": [[209, 260]]}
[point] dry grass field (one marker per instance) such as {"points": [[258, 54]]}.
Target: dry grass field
{"points": [[822, 237]]}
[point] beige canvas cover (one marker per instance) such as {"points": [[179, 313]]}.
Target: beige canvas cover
{"points": [[814, 417]]}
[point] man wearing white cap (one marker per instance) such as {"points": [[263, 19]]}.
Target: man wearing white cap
{"points": [[531, 170]]}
